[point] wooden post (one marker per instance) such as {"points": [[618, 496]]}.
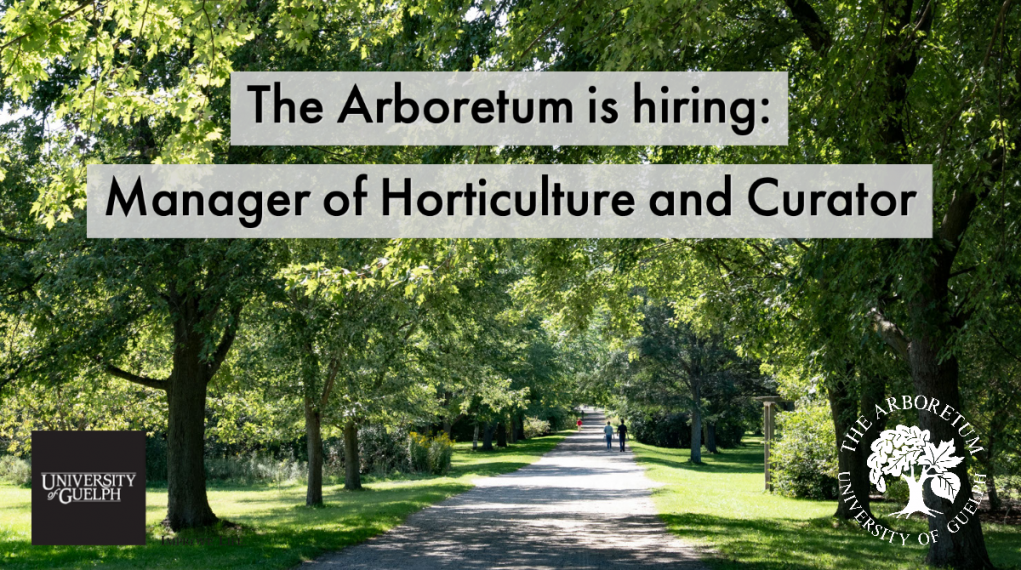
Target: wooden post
{"points": [[769, 404], [767, 431]]}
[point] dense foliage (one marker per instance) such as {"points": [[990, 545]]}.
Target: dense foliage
{"points": [[804, 458]]}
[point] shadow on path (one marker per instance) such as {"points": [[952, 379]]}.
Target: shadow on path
{"points": [[580, 506]]}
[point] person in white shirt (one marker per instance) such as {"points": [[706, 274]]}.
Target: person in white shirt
{"points": [[608, 430]]}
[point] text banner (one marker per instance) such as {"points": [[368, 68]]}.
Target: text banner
{"points": [[510, 201], [508, 108]]}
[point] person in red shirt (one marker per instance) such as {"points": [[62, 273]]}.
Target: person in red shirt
{"points": [[579, 423]]}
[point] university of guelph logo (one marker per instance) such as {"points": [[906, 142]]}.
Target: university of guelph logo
{"points": [[88, 487]]}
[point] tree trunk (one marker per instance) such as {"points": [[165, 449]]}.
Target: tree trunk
{"points": [[985, 458], [873, 394], [448, 428], [187, 504], [935, 375], [512, 430], [475, 438], [696, 434], [352, 465], [501, 434], [519, 426], [487, 437], [844, 411], [995, 503], [314, 441], [710, 437]]}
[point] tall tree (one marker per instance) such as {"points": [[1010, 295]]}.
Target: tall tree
{"points": [[940, 87], [676, 365], [99, 297]]}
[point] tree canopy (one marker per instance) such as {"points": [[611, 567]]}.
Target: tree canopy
{"points": [[488, 331]]}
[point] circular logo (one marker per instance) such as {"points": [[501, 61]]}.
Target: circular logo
{"points": [[911, 455]]}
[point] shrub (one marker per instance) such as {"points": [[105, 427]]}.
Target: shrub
{"points": [[559, 417], [729, 431], [333, 457], [381, 451], [430, 454], [418, 451], [535, 427], [255, 469], [804, 457], [661, 429], [441, 452], [15, 470]]}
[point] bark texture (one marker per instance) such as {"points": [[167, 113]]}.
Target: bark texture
{"points": [[501, 434], [487, 437], [696, 435], [187, 504], [937, 377], [710, 437], [314, 442], [352, 473]]}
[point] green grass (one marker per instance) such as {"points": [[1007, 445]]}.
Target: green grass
{"points": [[722, 507], [277, 530]]}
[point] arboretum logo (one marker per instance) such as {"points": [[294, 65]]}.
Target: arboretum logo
{"points": [[88, 487], [912, 455]]}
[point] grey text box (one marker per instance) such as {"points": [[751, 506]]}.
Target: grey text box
{"points": [[191, 201], [490, 108]]}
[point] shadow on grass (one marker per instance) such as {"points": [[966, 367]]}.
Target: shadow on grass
{"points": [[823, 542], [269, 536], [272, 532], [487, 469], [714, 465], [781, 544]]}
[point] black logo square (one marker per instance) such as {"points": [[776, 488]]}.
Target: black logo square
{"points": [[88, 487]]}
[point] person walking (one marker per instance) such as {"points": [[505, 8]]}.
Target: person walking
{"points": [[608, 430], [622, 434], [579, 423]]}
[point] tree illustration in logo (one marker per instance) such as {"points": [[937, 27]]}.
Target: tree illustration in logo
{"points": [[898, 452]]}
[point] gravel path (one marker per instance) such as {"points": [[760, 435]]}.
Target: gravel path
{"points": [[579, 506]]}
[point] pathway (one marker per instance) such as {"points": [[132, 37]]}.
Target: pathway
{"points": [[578, 507]]}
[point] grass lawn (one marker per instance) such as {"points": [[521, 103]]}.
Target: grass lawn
{"points": [[721, 505], [278, 531]]}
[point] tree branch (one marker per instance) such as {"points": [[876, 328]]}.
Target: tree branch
{"points": [[229, 334], [811, 25], [18, 239], [550, 28], [26, 287], [963, 271], [891, 333], [130, 377], [330, 380], [85, 4]]}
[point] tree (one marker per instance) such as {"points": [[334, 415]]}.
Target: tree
{"points": [[675, 365], [906, 103], [898, 451], [351, 329], [101, 295], [129, 82], [321, 317]]}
